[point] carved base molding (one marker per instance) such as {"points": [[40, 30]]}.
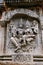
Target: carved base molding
{"points": [[18, 59], [8, 63]]}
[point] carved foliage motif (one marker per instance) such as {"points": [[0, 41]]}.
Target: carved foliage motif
{"points": [[21, 58]]}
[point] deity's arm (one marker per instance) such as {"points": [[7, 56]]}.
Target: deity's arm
{"points": [[14, 41]]}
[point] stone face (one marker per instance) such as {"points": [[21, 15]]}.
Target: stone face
{"points": [[22, 36]]}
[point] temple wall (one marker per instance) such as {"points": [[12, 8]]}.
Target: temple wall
{"points": [[2, 41]]}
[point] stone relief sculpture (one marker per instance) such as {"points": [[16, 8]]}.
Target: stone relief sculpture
{"points": [[23, 36], [22, 33]]}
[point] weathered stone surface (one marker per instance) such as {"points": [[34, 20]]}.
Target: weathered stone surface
{"points": [[21, 37]]}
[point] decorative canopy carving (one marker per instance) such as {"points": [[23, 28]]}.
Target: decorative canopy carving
{"points": [[6, 16]]}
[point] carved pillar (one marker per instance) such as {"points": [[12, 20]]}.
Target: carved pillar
{"points": [[1, 39]]}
